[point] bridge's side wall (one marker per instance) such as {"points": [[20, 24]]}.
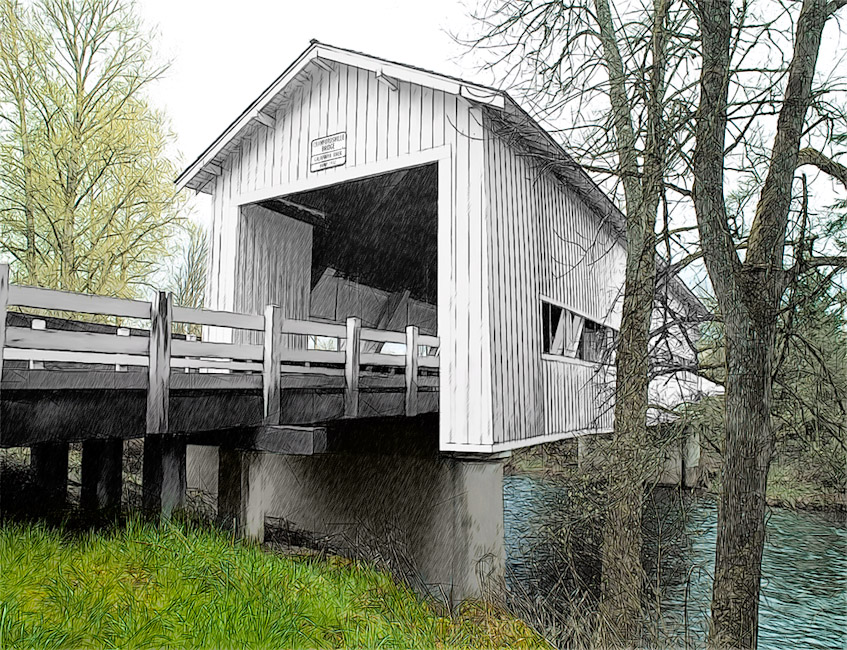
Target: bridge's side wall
{"points": [[382, 125], [545, 244]]}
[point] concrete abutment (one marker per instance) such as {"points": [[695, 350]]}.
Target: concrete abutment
{"points": [[435, 519]]}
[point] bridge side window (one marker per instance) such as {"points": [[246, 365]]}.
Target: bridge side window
{"points": [[568, 334]]}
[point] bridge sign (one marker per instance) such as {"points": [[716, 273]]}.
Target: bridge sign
{"points": [[329, 151]]}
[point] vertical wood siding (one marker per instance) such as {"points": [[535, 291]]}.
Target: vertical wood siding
{"points": [[381, 124], [273, 264], [543, 241]]}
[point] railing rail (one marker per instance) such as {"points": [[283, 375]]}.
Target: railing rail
{"points": [[161, 352]]}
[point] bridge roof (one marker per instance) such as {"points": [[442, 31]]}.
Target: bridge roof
{"points": [[505, 112]]}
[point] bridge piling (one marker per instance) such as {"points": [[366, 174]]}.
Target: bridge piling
{"points": [[101, 474], [240, 496], [163, 472], [49, 465]]}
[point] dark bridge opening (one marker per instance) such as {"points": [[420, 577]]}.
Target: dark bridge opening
{"points": [[381, 231]]}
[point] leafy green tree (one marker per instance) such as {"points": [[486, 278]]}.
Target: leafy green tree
{"points": [[86, 195]]}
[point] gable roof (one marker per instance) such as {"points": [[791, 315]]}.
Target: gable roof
{"points": [[207, 164], [513, 122]]}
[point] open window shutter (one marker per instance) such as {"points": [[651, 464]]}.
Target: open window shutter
{"points": [[557, 345], [574, 333]]}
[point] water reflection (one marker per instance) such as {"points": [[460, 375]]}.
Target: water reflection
{"points": [[553, 562]]}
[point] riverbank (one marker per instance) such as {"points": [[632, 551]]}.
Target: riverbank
{"points": [[186, 585], [788, 485]]}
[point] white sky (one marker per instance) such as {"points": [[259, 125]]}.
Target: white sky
{"points": [[224, 54]]}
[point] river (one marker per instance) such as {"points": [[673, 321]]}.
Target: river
{"points": [[552, 563]]}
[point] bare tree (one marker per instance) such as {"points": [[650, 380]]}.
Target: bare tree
{"points": [[749, 292], [588, 56]]}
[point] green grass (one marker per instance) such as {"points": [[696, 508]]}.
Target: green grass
{"points": [[178, 585]]}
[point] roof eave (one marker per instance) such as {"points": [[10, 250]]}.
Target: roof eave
{"points": [[472, 92]]}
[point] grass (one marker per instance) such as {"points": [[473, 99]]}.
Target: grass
{"points": [[181, 585]]}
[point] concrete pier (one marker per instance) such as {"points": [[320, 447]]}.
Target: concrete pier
{"points": [[435, 518]]}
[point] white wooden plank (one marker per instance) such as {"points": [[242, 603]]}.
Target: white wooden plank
{"points": [[219, 364], [218, 318], [382, 336], [411, 370], [382, 119], [36, 297], [474, 322], [360, 142], [427, 120], [312, 328], [323, 83], [24, 337], [372, 130], [349, 116], [218, 350], [393, 122], [429, 341], [404, 92], [438, 119], [376, 359], [415, 110], [20, 354], [312, 356]]}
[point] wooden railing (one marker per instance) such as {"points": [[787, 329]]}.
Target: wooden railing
{"points": [[161, 352]]}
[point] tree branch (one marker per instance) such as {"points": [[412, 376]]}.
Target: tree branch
{"points": [[810, 156]]}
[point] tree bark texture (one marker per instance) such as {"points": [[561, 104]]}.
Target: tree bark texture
{"points": [[748, 294]]}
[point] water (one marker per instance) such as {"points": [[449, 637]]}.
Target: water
{"points": [[552, 557]]}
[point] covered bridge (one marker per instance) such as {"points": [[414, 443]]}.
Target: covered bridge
{"points": [[359, 187]]}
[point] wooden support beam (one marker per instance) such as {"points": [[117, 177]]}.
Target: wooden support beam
{"points": [[352, 356], [381, 77], [49, 464], [101, 474], [163, 475], [411, 370], [271, 364], [295, 441], [164, 481], [265, 120], [323, 64], [4, 299], [229, 488], [240, 496], [160, 364]]}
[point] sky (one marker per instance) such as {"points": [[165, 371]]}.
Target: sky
{"points": [[223, 54]]}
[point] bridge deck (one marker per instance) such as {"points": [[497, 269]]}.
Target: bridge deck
{"points": [[72, 380]]}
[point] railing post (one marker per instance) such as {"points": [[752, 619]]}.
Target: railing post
{"points": [[352, 354], [163, 478], [271, 362], [160, 364], [4, 300], [411, 370]]}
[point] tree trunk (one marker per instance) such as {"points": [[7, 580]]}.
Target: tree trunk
{"points": [[746, 458], [622, 575]]}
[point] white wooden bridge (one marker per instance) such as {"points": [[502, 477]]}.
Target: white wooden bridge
{"points": [[79, 380]]}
